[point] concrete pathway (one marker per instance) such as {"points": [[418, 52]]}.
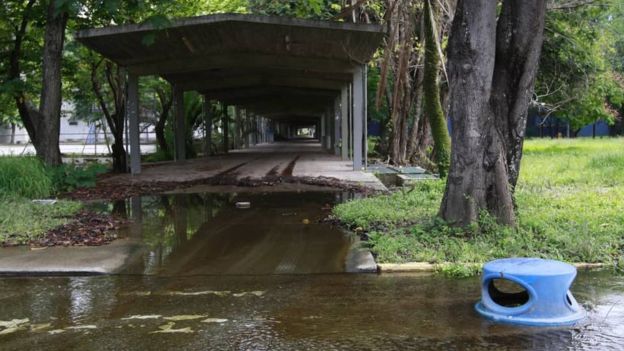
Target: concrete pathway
{"points": [[298, 159], [104, 259]]}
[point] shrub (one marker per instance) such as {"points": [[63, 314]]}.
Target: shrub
{"points": [[68, 177]]}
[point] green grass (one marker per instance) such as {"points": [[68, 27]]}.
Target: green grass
{"points": [[570, 207], [26, 178], [21, 220]]}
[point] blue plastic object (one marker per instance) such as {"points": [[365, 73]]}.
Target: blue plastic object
{"points": [[546, 301]]}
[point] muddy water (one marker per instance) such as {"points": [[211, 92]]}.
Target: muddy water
{"points": [[176, 293], [207, 234]]}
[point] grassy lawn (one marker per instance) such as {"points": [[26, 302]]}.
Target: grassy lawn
{"points": [[22, 179], [570, 201]]}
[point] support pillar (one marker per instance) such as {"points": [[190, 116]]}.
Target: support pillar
{"points": [[132, 115], [207, 126], [225, 128], [237, 128], [358, 117], [180, 124], [336, 120], [323, 131], [344, 123]]}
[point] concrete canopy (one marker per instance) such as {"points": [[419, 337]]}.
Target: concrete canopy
{"points": [[270, 65]]}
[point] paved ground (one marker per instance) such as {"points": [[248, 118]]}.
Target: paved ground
{"points": [[298, 159], [68, 260]]}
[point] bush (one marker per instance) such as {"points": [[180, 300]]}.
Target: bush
{"points": [[68, 177]]}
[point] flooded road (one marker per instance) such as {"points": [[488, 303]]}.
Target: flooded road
{"points": [[286, 312], [206, 234], [214, 277]]}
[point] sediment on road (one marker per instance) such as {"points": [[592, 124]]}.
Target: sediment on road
{"points": [[119, 190]]}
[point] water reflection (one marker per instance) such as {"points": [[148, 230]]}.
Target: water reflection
{"points": [[207, 234]]}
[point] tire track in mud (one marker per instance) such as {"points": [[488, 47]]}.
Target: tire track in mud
{"points": [[287, 172]]}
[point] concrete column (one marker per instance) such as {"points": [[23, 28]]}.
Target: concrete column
{"points": [[207, 127], [238, 135], [365, 117], [330, 128], [225, 127], [344, 122], [247, 136], [336, 117], [323, 130], [132, 115], [180, 124], [358, 117]]}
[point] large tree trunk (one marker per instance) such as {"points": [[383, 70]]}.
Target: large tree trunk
{"points": [[47, 142], [43, 124], [484, 109], [519, 40]]}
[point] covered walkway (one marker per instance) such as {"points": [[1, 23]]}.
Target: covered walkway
{"points": [[287, 159], [285, 77]]}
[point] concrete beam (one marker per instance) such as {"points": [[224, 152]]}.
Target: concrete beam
{"points": [[132, 115], [180, 124]]}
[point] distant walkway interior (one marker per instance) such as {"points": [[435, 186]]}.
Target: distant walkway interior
{"points": [[298, 158]]}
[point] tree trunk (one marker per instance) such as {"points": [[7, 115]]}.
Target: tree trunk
{"points": [[166, 101], [12, 134], [491, 72], [47, 143], [43, 124], [433, 107]]}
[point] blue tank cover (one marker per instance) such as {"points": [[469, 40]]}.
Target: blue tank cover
{"points": [[544, 300]]}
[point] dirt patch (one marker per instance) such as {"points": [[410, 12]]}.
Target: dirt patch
{"points": [[120, 191], [88, 229]]}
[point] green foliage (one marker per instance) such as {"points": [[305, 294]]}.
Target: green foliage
{"points": [[314, 9], [68, 177], [579, 68], [21, 220], [24, 177], [570, 208]]}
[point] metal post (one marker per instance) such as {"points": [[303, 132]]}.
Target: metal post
{"points": [[132, 115], [358, 117], [180, 124]]}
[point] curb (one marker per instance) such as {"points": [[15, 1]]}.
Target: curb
{"points": [[427, 267]]}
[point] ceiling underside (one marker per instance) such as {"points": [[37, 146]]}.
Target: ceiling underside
{"points": [[273, 66]]}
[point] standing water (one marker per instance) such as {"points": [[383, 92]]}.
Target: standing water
{"points": [[211, 276]]}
